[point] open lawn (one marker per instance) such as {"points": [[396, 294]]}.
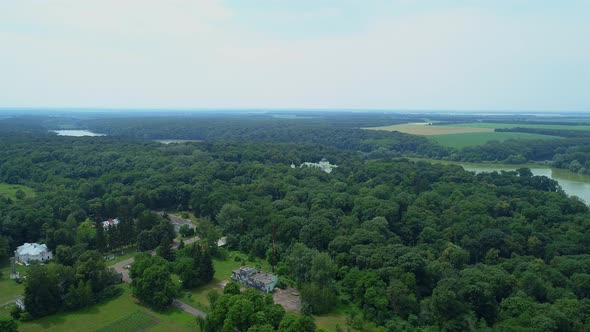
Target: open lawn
{"points": [[331, 321], [514, 125], [123, 313], [137, 321], [9, 289], [472, 139], [9, 190], [423, 128], [123, 254]]}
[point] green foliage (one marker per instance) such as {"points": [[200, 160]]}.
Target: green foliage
{"points": [[8, 325], [232, 288], [403, 244], [79, 295], [43, 295], [4, 248], [91, 267], [152, 282], [293, 323], [194, 266], [247, 311], [186, 231]]}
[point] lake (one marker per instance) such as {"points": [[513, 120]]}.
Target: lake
{"points": [[76, 133]]}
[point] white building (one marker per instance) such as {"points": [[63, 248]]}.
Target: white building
{"points": [[324, 165], [32, 252], [110, 223]]}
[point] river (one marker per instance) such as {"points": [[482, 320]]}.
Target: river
{"points": [[572, 183]]}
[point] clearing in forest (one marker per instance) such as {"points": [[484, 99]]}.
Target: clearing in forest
{"points": [[12, 191]]}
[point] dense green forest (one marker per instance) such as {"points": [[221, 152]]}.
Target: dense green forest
{"points": [[400, 244], [343, 131]]}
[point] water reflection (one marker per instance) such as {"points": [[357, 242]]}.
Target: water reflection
{"points": [[572, 183]]}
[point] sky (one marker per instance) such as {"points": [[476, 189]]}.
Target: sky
{"points": [[296, 54]]}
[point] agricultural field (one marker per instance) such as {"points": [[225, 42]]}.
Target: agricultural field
{"points": [[459, 141], [423, 128], [11, 190], [123, 313]]}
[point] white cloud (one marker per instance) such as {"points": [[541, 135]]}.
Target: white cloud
{"points": [[193, 54]]}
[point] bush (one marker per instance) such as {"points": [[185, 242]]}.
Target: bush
{"points": [[213, 296], [25, 317], [318, 299], [15, 312], [8, 325], [222, 254], [231, 288], [109, 293]]}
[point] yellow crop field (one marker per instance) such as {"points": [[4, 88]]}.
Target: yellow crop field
{"points": [[423, 128]]}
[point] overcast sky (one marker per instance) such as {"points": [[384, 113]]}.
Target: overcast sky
{"points": [[364, 54]]}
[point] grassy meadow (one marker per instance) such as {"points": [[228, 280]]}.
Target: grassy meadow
{"points": [[10, 190], [123, 313], [9, 289]]}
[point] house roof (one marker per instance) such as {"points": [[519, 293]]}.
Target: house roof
{"points": [[255, 275], [31, 249], [110, 222], [262, 277], [221, 242]]}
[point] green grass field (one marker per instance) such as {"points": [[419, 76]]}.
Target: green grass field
{"points": [[514, 125], [331, 321], [121, 314], [472, 139], [137, 321], [9, 289], [9, 190]]}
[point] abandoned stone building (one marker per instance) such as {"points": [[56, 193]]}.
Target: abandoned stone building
{"points": [[251, 277]]}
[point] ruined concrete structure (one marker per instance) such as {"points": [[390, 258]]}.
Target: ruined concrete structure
{"points": [[251, 277]]}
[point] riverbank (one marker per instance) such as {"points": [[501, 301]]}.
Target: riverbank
{"points": [[573, 184]]}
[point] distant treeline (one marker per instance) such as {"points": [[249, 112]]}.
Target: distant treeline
{"points": [[341, 133], [544, 131], [399, 245], [341, 130]]}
